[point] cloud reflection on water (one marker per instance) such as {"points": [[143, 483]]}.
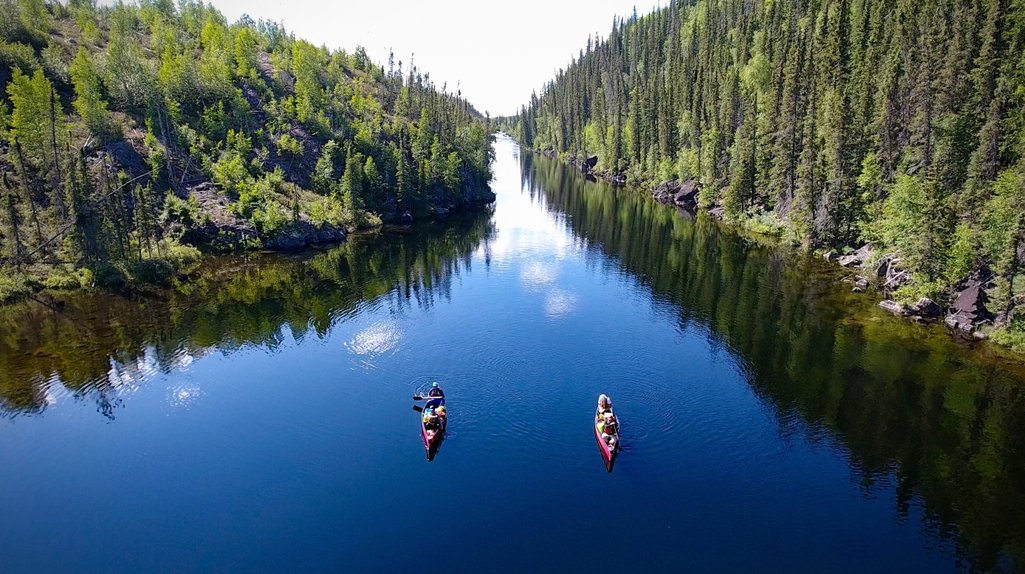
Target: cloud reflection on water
{"points": [[378, 338]]}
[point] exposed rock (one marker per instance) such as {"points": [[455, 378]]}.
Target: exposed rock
{"points": [[883, 267], [666, 191], [858, 258], [127, 157], [849, 260], [616, 178], [971, 300], [548, 152], [860, 285], [895, 307], [687, 196], [926, 308], [896, 279], [718, 212], [302, 234], [830, 256], [969, 307]]}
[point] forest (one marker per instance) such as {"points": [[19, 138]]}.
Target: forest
{"points": [[133, 136], [829, 123]]}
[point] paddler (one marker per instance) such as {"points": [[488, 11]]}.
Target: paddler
{"points": [[436, 391], [607, 427]]}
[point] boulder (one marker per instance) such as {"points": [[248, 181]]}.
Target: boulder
{"points": [[926, 308], [849, 260], [687, 195], [858, 258], [970, 301], [666, 191], [895, 307], [884, 267], [969, 307], [860, 285]]}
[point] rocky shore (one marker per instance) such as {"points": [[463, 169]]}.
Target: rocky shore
{"points": [[965, 313]]}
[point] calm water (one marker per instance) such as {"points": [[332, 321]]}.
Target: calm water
{"points": [[259, 418]]}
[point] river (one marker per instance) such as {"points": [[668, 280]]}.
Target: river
{"points": [[259, 417]]}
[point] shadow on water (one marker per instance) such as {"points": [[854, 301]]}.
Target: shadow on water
{"points": [[99, 346], [945, 424]]}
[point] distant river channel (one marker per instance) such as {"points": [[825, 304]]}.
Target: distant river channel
{"points": [[258, 417]]}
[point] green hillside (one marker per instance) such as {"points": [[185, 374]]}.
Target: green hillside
{"points": [[831, 123], [129, 134]]}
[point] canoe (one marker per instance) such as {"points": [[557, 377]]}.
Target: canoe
{"points": [[432, 437], [608, 454]]}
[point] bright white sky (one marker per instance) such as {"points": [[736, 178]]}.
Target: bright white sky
{"points": [[497, 52]]}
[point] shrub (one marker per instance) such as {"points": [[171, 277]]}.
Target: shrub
{"points": [[14, 285]]}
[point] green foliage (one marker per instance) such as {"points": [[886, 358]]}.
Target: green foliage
{"points": [[15, 55], [824, 114], [13, 286], [245, 53], [1012, 336], [963, 257], [89, 102], [30, 116], [917, 221], [1004, 235], [184, 212], [230, 173], [323, 178], [261, 203], [287, 144], [328, 210], [195, 98], [127, 73], [352, 188]]}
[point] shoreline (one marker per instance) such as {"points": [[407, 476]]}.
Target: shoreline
{"points": [[867, 268], [185, 258]]}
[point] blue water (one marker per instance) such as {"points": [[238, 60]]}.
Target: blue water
{"points": [[299, 450]]}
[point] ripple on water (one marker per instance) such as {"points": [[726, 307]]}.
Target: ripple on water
{"points": [[184, 395]]}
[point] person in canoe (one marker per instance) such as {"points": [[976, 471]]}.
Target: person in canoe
{"points": [[608, 429], [604, 405], [436, 391], [432, 419]]}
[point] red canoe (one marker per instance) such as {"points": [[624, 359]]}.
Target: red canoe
{"points": [[608, 454]]}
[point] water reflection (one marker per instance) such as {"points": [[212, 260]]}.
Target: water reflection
{"points": [[946, 424], [100, 347]]}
